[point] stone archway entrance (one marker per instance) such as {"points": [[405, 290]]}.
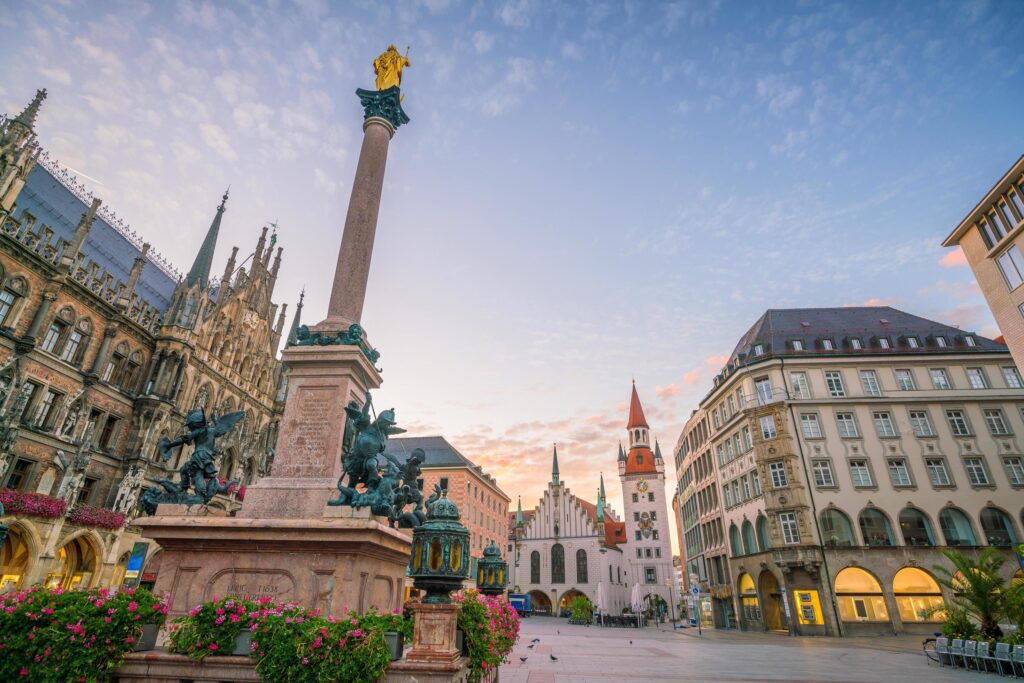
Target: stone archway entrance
{"points": [[77, 565], [541, 602], [14, 558], [655, 605], [772, 609], [567, 597]]}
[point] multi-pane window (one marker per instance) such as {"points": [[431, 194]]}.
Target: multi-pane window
{"points": [[53, 336], [19, 474], [777, 472], [834, 382], [905, 380], [7, 299], [940, 380], [1014, 470], [827, 344], [748, 440], [810, 425], [758, 349], [1012, 377], [970, 340], [48, 408], [883, 343], [940, 341], [996, 422], [746, 490], [70, 349], [912, 342], [938, 475], [883, 423], [801, 389], [860, 473], [977, 378], [757, 483], [823, 475], [920, 423], [727, 490], [1011, 262], [869, 381], [768, 427], [976, 473], [855, 344], [847, 425], [899, 475], [790, 530], [958, 423], [764, 390], [797, 345]]}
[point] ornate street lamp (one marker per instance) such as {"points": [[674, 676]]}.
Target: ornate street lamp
{"points": [[440, 552], [491, 571]]}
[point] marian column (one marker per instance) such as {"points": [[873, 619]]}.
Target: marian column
{"points": [[285, 541]]}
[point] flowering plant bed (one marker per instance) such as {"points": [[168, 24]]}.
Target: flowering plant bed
{"points": [[50, 635], [491, 629], [33, 504], [290, 643], [104, 518]]}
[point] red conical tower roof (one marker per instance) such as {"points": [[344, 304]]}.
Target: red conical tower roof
{"points": [[636, 412]]}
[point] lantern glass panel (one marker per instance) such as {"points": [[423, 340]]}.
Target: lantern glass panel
{"points": [[434, 561], [456, 556]]}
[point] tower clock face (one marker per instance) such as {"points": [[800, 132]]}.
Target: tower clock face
{"points": [[641, 486]]}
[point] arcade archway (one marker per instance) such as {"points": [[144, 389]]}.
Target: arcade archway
{"points": [[567, 597], [771, 602], [541, 602], [78, 563], [14, 558]]}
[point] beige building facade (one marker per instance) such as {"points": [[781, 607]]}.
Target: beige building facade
{"points": [[850, 445], [992, 239]]}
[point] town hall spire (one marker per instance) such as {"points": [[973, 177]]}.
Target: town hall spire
{"points": [[554, 466], [200, 271]]}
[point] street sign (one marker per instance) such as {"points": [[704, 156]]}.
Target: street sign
{"points": [[695, 590]]}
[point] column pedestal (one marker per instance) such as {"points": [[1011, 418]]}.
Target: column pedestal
{"points": [[433, 655]]}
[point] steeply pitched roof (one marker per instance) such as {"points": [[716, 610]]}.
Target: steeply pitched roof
{"points": [[439, 453], [636, 412], [200, 270], [777, 329], [54, 205], [640, 460], [614, 533]]}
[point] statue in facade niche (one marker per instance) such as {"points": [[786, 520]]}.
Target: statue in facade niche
{"points": [[128, 489], [68, 428], [199, 473]]}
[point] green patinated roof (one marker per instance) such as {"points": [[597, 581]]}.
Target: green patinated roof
{"points": [[200, 271]]}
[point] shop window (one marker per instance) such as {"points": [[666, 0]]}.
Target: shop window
{"points": [[836, 528], [875, 528], [859, 597], [748, 599], [956, 528], [998, 527], [916, 528], [917, 596]]}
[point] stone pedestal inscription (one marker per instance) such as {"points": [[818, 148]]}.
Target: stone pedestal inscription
{"points": [[306, 438]]}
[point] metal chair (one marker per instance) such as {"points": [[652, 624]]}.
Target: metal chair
{"points": [[970, 654], [956, 652], [984, 656], [1018, 659], [942, 650], [1004, 659]]}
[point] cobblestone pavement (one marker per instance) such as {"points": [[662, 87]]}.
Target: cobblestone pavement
{"points": [[606, 654]]}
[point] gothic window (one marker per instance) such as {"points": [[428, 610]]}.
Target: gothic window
{"points": [[535, 567], [557, 563], [581, 566], [186, 312], [10, 298]]}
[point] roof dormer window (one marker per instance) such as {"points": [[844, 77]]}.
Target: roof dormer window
{"points": [[970, 340], [827, 345], [797, 345], [913, 343], [758, 350], [883, 343], [940, 341], [855, 344]]}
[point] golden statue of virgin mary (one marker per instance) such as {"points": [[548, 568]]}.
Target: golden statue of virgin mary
{"points": [[388, 67]]}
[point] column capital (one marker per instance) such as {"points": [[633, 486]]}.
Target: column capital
{"points": [[383, 104]]}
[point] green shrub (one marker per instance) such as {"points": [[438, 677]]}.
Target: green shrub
{"points": [[958, 624], [581, 608], [490, 627]]}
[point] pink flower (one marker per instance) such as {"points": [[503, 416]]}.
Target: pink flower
{"points": [[23, 672], [213, 647], [132, 606]]}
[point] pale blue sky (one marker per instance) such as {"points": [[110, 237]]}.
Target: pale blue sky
{"points": [[587, 192]]}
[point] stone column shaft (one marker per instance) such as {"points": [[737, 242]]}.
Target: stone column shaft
{"points": [[101, 355], [41, 313], [353, 269]]}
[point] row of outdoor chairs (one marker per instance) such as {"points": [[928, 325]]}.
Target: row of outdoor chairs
{"points": [[979, 656]]}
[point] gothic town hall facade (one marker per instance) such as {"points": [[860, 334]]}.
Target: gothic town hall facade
{"points": [[104, 347], [567, 546]]}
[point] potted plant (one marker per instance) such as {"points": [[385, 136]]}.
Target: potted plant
{"points": [[490, 627], [220, 627]]}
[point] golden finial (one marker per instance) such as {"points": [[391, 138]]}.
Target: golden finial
{"points": [[388, 67]]}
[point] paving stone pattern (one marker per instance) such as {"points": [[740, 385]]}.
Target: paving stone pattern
{"points": [[659, 654]]}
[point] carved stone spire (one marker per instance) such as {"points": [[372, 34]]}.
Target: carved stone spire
{"points": [[27, 118], [200, 271], [297, 320]]}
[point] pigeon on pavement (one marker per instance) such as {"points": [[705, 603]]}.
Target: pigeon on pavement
{"points": [[522, 659], [553, 658]]}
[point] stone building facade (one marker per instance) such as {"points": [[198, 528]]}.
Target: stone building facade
{"points": [[104, 348], [992, 239], [568, 546], [849, 446]]}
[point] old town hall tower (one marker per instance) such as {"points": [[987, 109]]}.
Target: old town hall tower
{"points": [[642, 473]]}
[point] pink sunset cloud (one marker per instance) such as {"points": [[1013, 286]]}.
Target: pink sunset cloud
{"points": [[954, 258]]}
